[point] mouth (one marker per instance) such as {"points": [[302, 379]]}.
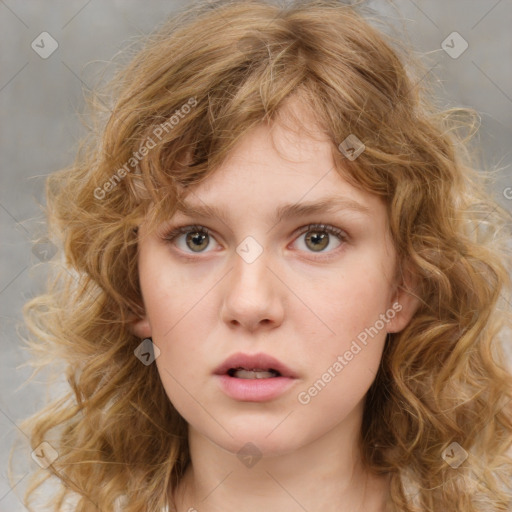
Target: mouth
{"points": [[254, 378], [253, 366], [243, 373]]}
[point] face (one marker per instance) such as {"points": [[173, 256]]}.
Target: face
{"points": [[310, 294]]}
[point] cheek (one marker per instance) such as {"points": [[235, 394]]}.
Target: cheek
{"points": [[345, 353], [351, 301], [179, 308], [340, 373], [170, 292], [184, 364]]}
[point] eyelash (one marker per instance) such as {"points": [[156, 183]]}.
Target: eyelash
{"points": [[195, 228]]}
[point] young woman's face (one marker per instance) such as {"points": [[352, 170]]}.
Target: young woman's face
{"points": [[263, 292]]}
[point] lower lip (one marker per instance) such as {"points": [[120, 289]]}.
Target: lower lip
{"points": [[254, 390]]}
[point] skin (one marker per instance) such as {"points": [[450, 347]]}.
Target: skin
{"points": [[299, 305]]}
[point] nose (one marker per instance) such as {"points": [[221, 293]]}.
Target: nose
{"points": [[252, 295]]}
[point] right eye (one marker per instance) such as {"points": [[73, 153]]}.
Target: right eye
{"points": [[196, 239]]}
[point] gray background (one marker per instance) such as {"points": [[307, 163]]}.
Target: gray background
{"points": [[40, 98]]}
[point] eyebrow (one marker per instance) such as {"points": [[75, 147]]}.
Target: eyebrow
{"points": [[286, 211]]}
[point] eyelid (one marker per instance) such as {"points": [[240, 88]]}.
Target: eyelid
{"points": [[173, 233], [333, 230]]}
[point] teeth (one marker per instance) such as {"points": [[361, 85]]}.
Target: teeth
{"points": [[254, 374]]}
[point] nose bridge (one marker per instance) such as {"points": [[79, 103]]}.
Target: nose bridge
{"points": [[251, 293], [251, 274]]}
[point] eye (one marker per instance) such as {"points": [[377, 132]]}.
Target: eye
{"points": [[197, 237], [318, 236]]}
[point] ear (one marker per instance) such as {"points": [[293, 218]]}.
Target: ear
{"points": [[406, 301], [140, 327]]}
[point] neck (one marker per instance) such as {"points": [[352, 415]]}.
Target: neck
{"points": [[326, 475]]}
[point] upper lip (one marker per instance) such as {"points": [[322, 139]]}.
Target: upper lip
{"points": [[254, 362]]}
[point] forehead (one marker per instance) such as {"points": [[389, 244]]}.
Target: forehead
{"points": [[279, 173]]}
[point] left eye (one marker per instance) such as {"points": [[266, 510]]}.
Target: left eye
{"points": [[197, 237], [318, 236]]}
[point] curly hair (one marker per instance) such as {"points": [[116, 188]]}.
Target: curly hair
{"points": [[177, 107]]}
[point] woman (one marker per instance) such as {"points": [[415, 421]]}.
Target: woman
{"points": [[283, 298]]}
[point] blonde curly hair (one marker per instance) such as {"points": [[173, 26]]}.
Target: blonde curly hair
{"points": [[442, 380]]}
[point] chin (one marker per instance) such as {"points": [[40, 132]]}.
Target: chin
{"points": [[263, 434]]}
